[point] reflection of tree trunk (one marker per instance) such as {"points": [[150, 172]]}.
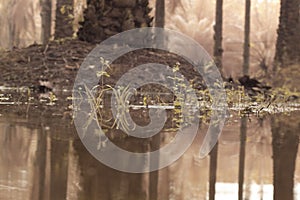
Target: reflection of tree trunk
{"points": [[285, 132], [38, 189], [64, 19], [101, 182], [59, 168], [154, 163], [213, 172], [46, 20], [242, 156], [218, 50], [164, 183], [160, 13]]}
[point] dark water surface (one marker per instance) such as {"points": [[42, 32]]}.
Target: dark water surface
{"points": [[42, 158]]}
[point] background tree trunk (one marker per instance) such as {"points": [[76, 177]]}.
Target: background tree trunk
{"points": [[287, 46], [46, 20], [246, 53], [64, 19], [153, 176], [160, 13], [243, 129], [218, 28], [218, 51]]}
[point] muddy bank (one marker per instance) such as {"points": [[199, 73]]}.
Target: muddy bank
{"points": [[56, 62]]}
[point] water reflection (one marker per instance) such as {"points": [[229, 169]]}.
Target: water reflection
{"points": [[46, 160], [285, 132]]}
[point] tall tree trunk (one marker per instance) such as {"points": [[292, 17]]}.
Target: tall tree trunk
{"points": [[218, 51], [218, 28], [64, 19], [160, 13], [286, 128], [246, 54], [243, 136], [287, 46], [46, 20]]}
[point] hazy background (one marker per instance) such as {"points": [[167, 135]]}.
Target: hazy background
{"points": [[21, 26]]}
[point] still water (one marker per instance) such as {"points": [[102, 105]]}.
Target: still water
{"points": [[43, 158]]}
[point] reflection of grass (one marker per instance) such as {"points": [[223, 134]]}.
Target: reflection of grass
{"points": [[260, 103], [279, 100], [97, 109], [122, 96], [95, 104]]}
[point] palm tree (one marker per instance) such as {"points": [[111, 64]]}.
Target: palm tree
{"points": [[103, 18]]}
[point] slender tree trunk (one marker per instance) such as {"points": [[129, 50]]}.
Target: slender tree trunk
{"points": [[218, 51], [46, 20], [287, 46], [160, 13], [218, 28], [243, 129], [64, 19], [246, 54], [243, 136]]}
